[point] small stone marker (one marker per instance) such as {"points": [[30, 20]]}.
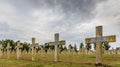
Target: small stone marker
{"points": [[18, 50], [56, 43], [8, 50], [98, 40]]}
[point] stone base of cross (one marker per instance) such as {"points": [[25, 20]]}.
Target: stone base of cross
{"points": [[99, 39]]}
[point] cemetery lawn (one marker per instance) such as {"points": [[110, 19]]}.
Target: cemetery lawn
{"points": [[71, 60]]}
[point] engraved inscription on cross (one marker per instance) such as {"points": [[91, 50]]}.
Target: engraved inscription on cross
{"points": [[56, 43], [99, 39]]}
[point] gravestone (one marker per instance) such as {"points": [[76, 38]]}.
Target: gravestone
{"points": [[98, 40], [56, 44], [8, 50]]}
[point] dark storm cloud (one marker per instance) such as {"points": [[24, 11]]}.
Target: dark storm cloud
{"points": [[81, 8], [74, 12]]}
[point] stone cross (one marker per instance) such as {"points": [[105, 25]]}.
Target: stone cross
{"points": [[99, 39], [18, 49], [32, 47], [1, 50], [8, 50], [56, 47], [56, 43]]}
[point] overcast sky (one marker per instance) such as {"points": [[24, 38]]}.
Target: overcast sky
{"points": [[74, 20]]}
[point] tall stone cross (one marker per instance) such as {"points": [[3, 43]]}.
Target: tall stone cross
{"points": [[56, 43], [32, 47], [18, 49], [99, 39], [8, 50], [1, 48]]}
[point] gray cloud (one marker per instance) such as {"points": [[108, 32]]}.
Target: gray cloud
{"points": [[74, 11], [72, 8], [4, 27]]}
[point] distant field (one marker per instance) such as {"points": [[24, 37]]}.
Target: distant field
{"points": [[66, 60]]}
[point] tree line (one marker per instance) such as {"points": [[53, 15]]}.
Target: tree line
{"points": [[46, 46]]}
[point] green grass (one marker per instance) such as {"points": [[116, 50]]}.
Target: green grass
{"points": [[66, 60], [23, 63]]}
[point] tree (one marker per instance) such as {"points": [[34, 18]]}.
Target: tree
{"points": [[46, 47], [70, 46], [61, 48], [88, 47], [75, 48], [12, 44], [26, 46], [106, 46], [65, 48], [81, 45]]}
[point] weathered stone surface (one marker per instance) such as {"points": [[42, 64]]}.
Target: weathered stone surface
{"points": [[8, 50], [98, 40], [32, 48], [18, 49], [1, 50]]}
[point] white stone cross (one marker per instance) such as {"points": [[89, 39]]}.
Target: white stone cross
{"points": [[8, 50], [56, 43], [99, 39], [18, 49]]}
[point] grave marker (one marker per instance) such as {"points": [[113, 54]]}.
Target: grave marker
{"points": [[98, 40], [32, 47], [18, 49], [1, 50], [8, 50], [56, 43]]}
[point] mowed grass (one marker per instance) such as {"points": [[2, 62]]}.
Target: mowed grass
{"points": [[65, 60]]}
